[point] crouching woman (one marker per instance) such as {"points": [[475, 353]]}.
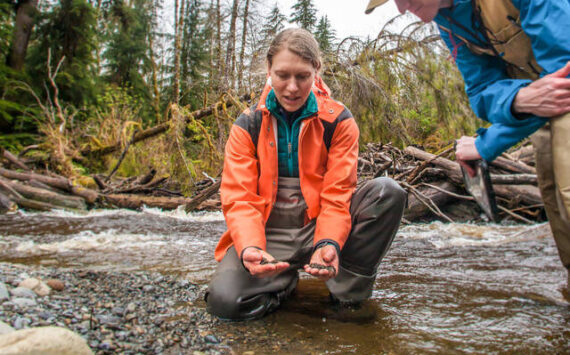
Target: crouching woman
{"points": [[289, 194]]}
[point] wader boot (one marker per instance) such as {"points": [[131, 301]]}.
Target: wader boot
{"points": [[546, 173], [376, 209]]}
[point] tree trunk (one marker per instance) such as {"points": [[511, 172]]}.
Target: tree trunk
{"points": [[45, 196], [178, 28], [417, 209], [243, 45], [154, 76], [231, 49], [60, 183], [6, 205], [516, 193], [22, 31], [219, 44]]}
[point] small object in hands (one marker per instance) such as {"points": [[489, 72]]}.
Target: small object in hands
{"points": [[480, 187], [265, 261], [323, 267]]}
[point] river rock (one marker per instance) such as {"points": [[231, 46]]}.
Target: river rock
{"points": [[21, 323], [5, 328], [23, 292], [55, 285], [39, 287], [22, 302], [45, 341], [4, 295]]}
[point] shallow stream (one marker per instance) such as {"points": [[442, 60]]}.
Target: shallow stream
{"points": [[442, 289]]}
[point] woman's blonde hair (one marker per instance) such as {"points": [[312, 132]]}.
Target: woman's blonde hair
{"points": [[299, 41]]}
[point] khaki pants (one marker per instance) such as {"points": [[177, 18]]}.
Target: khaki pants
{"points": [[376, 210], [553, 169]]}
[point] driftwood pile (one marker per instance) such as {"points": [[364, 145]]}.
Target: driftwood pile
{"points": [[21, 187], [434, 184]]}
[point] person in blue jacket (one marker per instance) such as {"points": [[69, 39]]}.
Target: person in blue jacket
{"points": [[516, 106]]}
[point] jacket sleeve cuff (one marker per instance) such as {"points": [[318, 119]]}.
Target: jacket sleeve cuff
{"points": [[482, 149], [321, 243]]}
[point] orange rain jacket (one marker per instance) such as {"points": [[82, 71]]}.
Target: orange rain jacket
{"points": [[328, 156]]}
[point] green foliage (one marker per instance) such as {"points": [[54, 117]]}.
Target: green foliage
{"points": [[6, 28], [273, 24], [404, 92], [194, 55], [66, 30], [126, 55], [304, 14], [325, 35], [17, 141]]}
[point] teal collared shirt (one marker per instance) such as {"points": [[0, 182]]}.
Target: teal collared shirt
{"points": [[288, 133]]}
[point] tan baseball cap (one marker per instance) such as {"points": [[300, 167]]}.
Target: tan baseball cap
{"points": [[374, 4]]}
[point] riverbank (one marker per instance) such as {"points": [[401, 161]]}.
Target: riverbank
{"points": [[116, 312]]}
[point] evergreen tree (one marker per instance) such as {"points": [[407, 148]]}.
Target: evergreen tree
{"points": [[273, 25], [194, 55], [127, 55], [325, 35], [304, 14], [68, 30]]}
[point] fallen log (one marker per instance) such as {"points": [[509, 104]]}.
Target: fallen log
{"points": [[513, 166], [417, 209], [140, 188], [514, 179], [156, 130], [527, 194], [451, 168], [90, 196], [203, 196], [524, 154], [516, 194], [41, 195], [14, 160], [6, 205]]}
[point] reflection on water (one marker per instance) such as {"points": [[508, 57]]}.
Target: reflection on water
{"points": [[442, 288]]}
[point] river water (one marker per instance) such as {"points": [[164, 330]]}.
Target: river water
{"points": [[443, 288]]}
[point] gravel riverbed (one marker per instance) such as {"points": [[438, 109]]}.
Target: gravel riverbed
{"points": [[116, 312]]}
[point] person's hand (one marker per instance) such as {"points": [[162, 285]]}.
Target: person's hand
{"points": [[548, 96], [252, 261], [465, 151], [327, 258]]}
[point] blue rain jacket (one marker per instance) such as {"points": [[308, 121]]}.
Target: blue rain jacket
{"points": [[490, 90]]}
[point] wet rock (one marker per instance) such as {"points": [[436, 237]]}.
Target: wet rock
{"points": [[22, 323], [5, 328], [212, 339], [39, 287], [4, 295], [45, 341], [119, 311], [55, 284], [45, 315], [109, 321], [21, 302], [23, 292]]}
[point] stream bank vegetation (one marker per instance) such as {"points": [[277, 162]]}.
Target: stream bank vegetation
{"points": [[103, 107]]}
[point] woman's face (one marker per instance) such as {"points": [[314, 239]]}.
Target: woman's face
{"points": [[292, 78]]}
